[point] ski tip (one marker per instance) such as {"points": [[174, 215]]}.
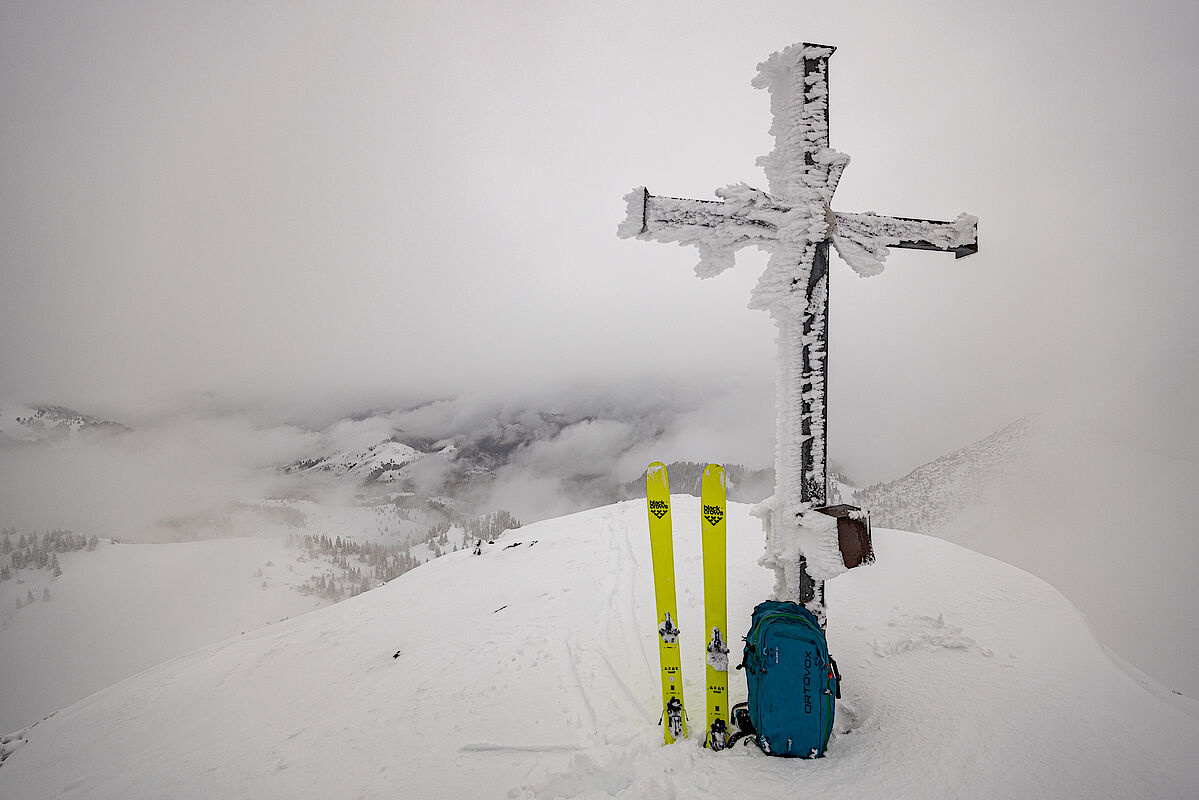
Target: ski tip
{"points": [[655, 476], [656, 473]]}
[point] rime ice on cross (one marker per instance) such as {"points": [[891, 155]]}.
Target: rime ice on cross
{"points": [[795, 223]]}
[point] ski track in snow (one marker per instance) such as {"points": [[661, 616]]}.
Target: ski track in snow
{"points": [[628, 577], [531, 672], [484, 747], [635, 576], [588, 710]]}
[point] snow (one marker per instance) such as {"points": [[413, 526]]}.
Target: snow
{"points": [[813, 537], [799, 108], [126, 607], [635, 212], [745, 216], [531, 672], [456, 539], [382, 523], [12, 422], [26, 423], [383, 462], [861, 239]]}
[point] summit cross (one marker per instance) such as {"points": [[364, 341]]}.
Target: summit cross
{"points": [[795, 223]]}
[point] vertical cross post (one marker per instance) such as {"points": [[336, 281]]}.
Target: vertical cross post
{"points": [[796, 224]]}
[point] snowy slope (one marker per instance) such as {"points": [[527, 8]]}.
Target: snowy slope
{"points": [[931, 497], [383, 462], [126, 607], [383, 523], [530, 672], [1088, 507]]}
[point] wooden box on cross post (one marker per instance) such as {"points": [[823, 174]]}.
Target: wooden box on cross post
{"points": [[853, 534]]}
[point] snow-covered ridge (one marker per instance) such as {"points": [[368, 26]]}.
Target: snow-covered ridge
{"points": [[33, 423], [932, 495], [531, 672], [382, 463]]}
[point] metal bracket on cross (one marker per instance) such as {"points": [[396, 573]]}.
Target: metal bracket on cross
{"points": [[795, 222]]}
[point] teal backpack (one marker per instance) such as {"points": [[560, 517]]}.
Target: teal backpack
{"points": [[793, 682]]}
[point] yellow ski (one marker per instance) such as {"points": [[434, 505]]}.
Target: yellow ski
{"points": [[712, 525], [661, 545]]}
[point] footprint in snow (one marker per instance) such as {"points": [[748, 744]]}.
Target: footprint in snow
{"points": [[925, 633]]}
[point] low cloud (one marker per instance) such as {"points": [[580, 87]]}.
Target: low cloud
{"points": [[120, 485], [553, 453]]}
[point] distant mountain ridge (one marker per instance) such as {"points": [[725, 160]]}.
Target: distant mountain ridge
{"points": [[42, 422], [380, 463], [931, 496], [744, 485], [466, 462], [926, 499]]}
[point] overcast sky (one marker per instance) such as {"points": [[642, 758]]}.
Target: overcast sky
{"points": [[338, 201]]}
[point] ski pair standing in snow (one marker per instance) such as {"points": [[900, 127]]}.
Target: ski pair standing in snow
{"points": [[712, 524]]}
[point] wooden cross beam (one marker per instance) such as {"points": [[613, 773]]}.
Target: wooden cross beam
{"points": [[796, 224]]}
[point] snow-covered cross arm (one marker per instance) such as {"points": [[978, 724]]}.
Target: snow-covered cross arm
{"points": [[751, 217]]}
